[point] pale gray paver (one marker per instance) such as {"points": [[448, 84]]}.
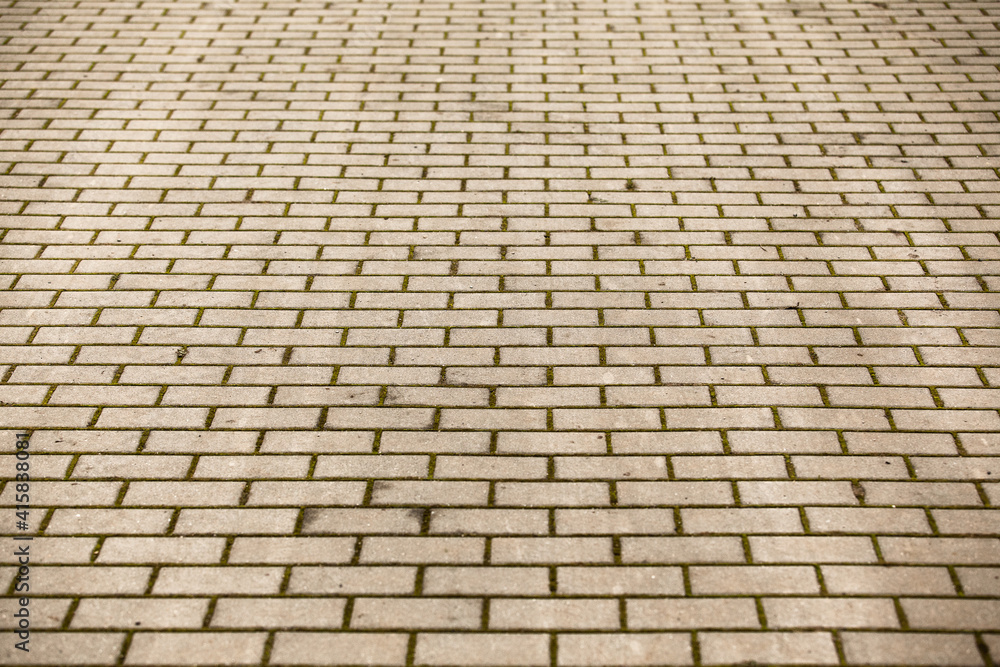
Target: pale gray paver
{"points": [[494, 333]]}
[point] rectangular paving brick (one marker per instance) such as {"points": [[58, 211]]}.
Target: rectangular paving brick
{"points": [[624, 649], [341, 648]]}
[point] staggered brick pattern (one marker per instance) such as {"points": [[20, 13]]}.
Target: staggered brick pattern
{"points": [[503, 333]]}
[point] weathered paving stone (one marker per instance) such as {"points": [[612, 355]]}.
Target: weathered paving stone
{"points": [[501, 333]]}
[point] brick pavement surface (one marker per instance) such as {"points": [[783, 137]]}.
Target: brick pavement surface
{"points": [[502, 333]]}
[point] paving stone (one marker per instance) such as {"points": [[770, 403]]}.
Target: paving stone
{"points": [[196, 648], [809, 648], [46, 613], [624, 649], [703, 613], [482, 649], [830, 613], [716, 580], [85, 648], [911, 648], [620, 580], [535, 614], [339, 648], [891, 580], [492, 581], [145, 613], [952, 614], [437, 613]]}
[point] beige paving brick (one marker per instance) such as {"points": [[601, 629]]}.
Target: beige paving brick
{"points": [[103, 521], [215, 581], [954, 550], [683, 418], [457, 443], [111, 465], [161, 550], [675, 493], [617, 467], [550, 550], [453, 521], [747, 442], [85, 648], [624, 649], [317, 442], [717, 580], [482, 649], [491, 581], [534, 494], [542, 614], [352, 580], [200, 442], [606, 419], [196, 648], [551, 443], [41, 466], [979, 581], [365, 466], [682, 550], [830, 613], [741, 520], [952, 614], [731, 467], [299, 493], [235, 521], [697, 613], [810, 648], [966, 468], [392, 492], [350, 418], [265, 418], [615, 521], [991, 492], [810, 549], [172, 494], [360, 520], [889, 580], [443, 550], [900, 443], [840, 467], [79, 441], [947, 420], [153, 417], [979, 443], [483, 467], [867, 520], [922, 493], [500, 418], [144, 613], [340, 648], [796, 493], [291, 550], [436, 613], [88, 579], [620, 580], [910, 648], [833, 418], [46, 613], [244, 467]]}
